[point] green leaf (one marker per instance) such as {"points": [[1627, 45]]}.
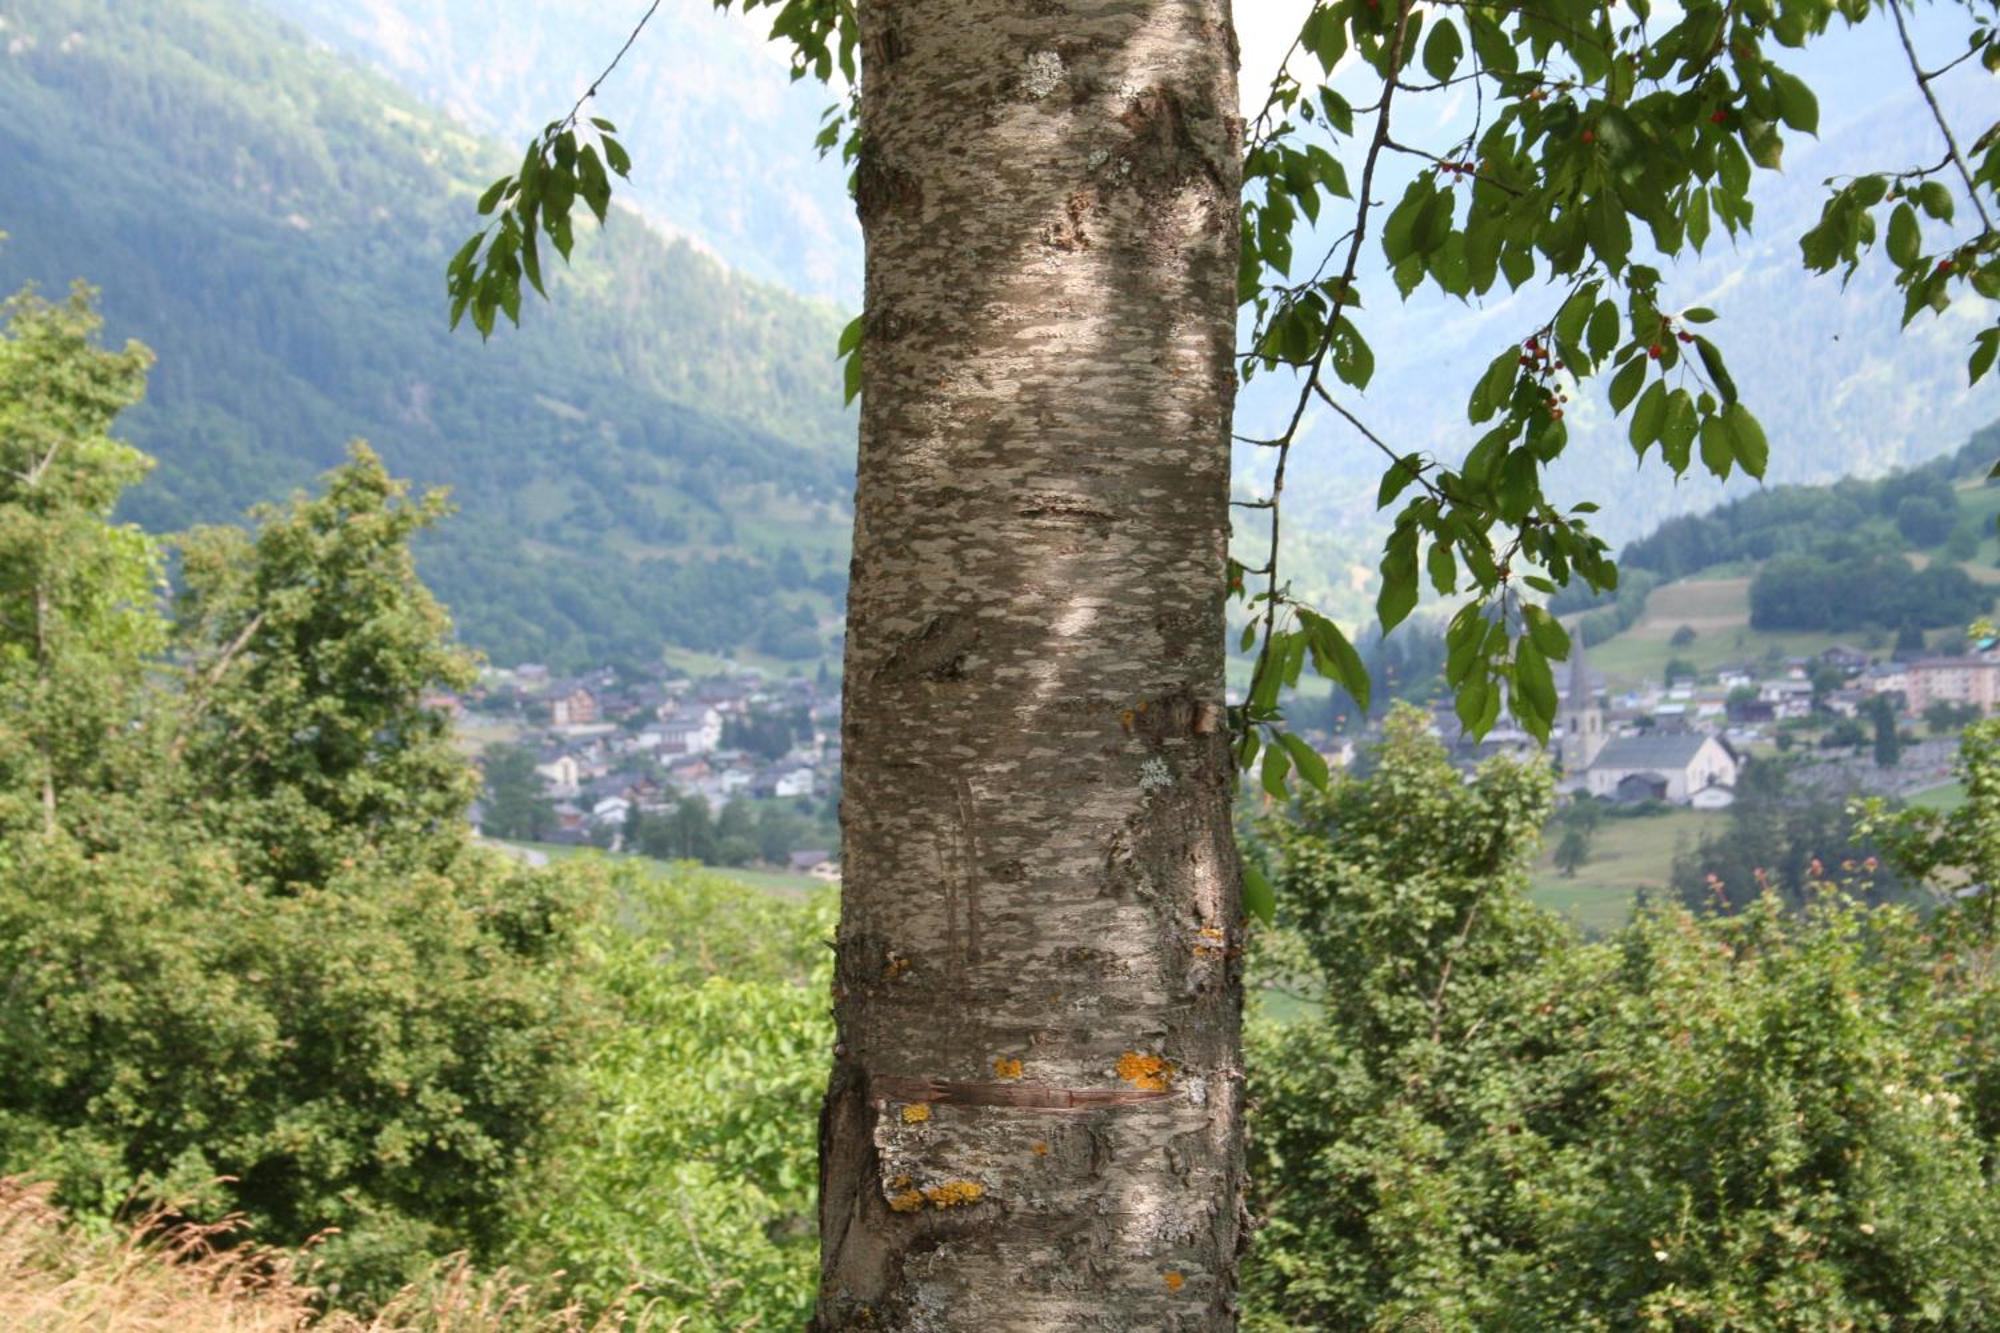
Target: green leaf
{"points": [[1797, 106], [1761, 141], [619, 160], [491, 199], [1905, 237], [851, 378], [1936, 199], [850, 336], [1399, 578], [1677, 430], [1985, 347], [1470, 703], [1602, 334], [1442, 51], [1626, 382], [1277, 765], [1258, 899], [1648, 416], [1396, 478], [1309, 762], [1610, 230], [1747, 437], [1718, 453], [1353, 359], [1718, 374], [1546, 631], [1443, 568], [1537, 686]]}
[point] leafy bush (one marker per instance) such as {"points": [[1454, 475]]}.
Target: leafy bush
{"points": [[249, 959], [1778, 1121], [691, 1186]]}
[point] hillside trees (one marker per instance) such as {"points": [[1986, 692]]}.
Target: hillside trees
{"points": [[75, 623], [248, 959], [1062, 209]]}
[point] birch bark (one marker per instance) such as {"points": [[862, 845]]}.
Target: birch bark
{"points": [[1033, 1120]]}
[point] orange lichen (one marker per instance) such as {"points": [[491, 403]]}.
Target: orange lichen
{"points": [[1041, 1150], [896, 967], [954, 1193], [906, 1202], [916, 1113], [1007, 1066], [900, 1183], [1148, 1072], [1175, 1282]]}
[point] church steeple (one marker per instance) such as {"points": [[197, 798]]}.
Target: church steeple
{"points": [[1583, 721]]}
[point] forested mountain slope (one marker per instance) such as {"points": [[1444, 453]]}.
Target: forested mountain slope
{"points": [[659, 458]]}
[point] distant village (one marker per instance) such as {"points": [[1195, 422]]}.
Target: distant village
{"points": [[1683, 742], [611, 751]]}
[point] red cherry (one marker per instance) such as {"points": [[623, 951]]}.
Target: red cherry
{"points": [[1717, 116], [1686, 337], [1654, 351], [1590, 136], [1944, 266]]}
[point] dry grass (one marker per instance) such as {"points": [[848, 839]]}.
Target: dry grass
{"points": [[162, 1277]]}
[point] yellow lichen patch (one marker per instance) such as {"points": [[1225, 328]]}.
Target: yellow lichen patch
{"points": [[1007, 1066], [1175, 1282], [1040, 1150], [916, 1113], [954, 1193], [906, 1202], [896, 967], [1148, 1072], [900, 1183]]}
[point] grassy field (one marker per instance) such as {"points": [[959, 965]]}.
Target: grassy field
{"points": [[1716, 605], [1946, 798], [1626, 856], [1718, 610], [779, 882]]}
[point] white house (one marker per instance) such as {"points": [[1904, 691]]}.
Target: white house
{"points": [[693, 729], [563, 774], [1677, 764]]}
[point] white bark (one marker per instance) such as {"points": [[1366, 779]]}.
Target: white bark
{"points": [[1034, 1117]]}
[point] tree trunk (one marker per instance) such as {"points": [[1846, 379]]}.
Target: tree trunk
{"points": [[1034, 1115]]}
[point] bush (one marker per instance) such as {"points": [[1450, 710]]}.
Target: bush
{"points": [[1779, 1121], [385, 1054], [691, 1187]]}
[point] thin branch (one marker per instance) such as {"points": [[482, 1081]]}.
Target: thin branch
{"points": [[1415, 470], [1937, 114], [1429, 156], [1342, 294], [591, 92], [208, 682]]}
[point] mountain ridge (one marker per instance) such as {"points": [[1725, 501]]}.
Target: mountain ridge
{"points": [[659, 457]]}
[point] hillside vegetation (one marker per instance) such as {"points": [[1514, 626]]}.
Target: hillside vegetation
{"points": [[1793, 570], [660, 457]]}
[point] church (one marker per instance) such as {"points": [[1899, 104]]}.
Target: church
{"points": [[1679, 767]]}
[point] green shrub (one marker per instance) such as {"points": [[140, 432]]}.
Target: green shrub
{"points": [[1782, 1120], [691, 1185]]}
